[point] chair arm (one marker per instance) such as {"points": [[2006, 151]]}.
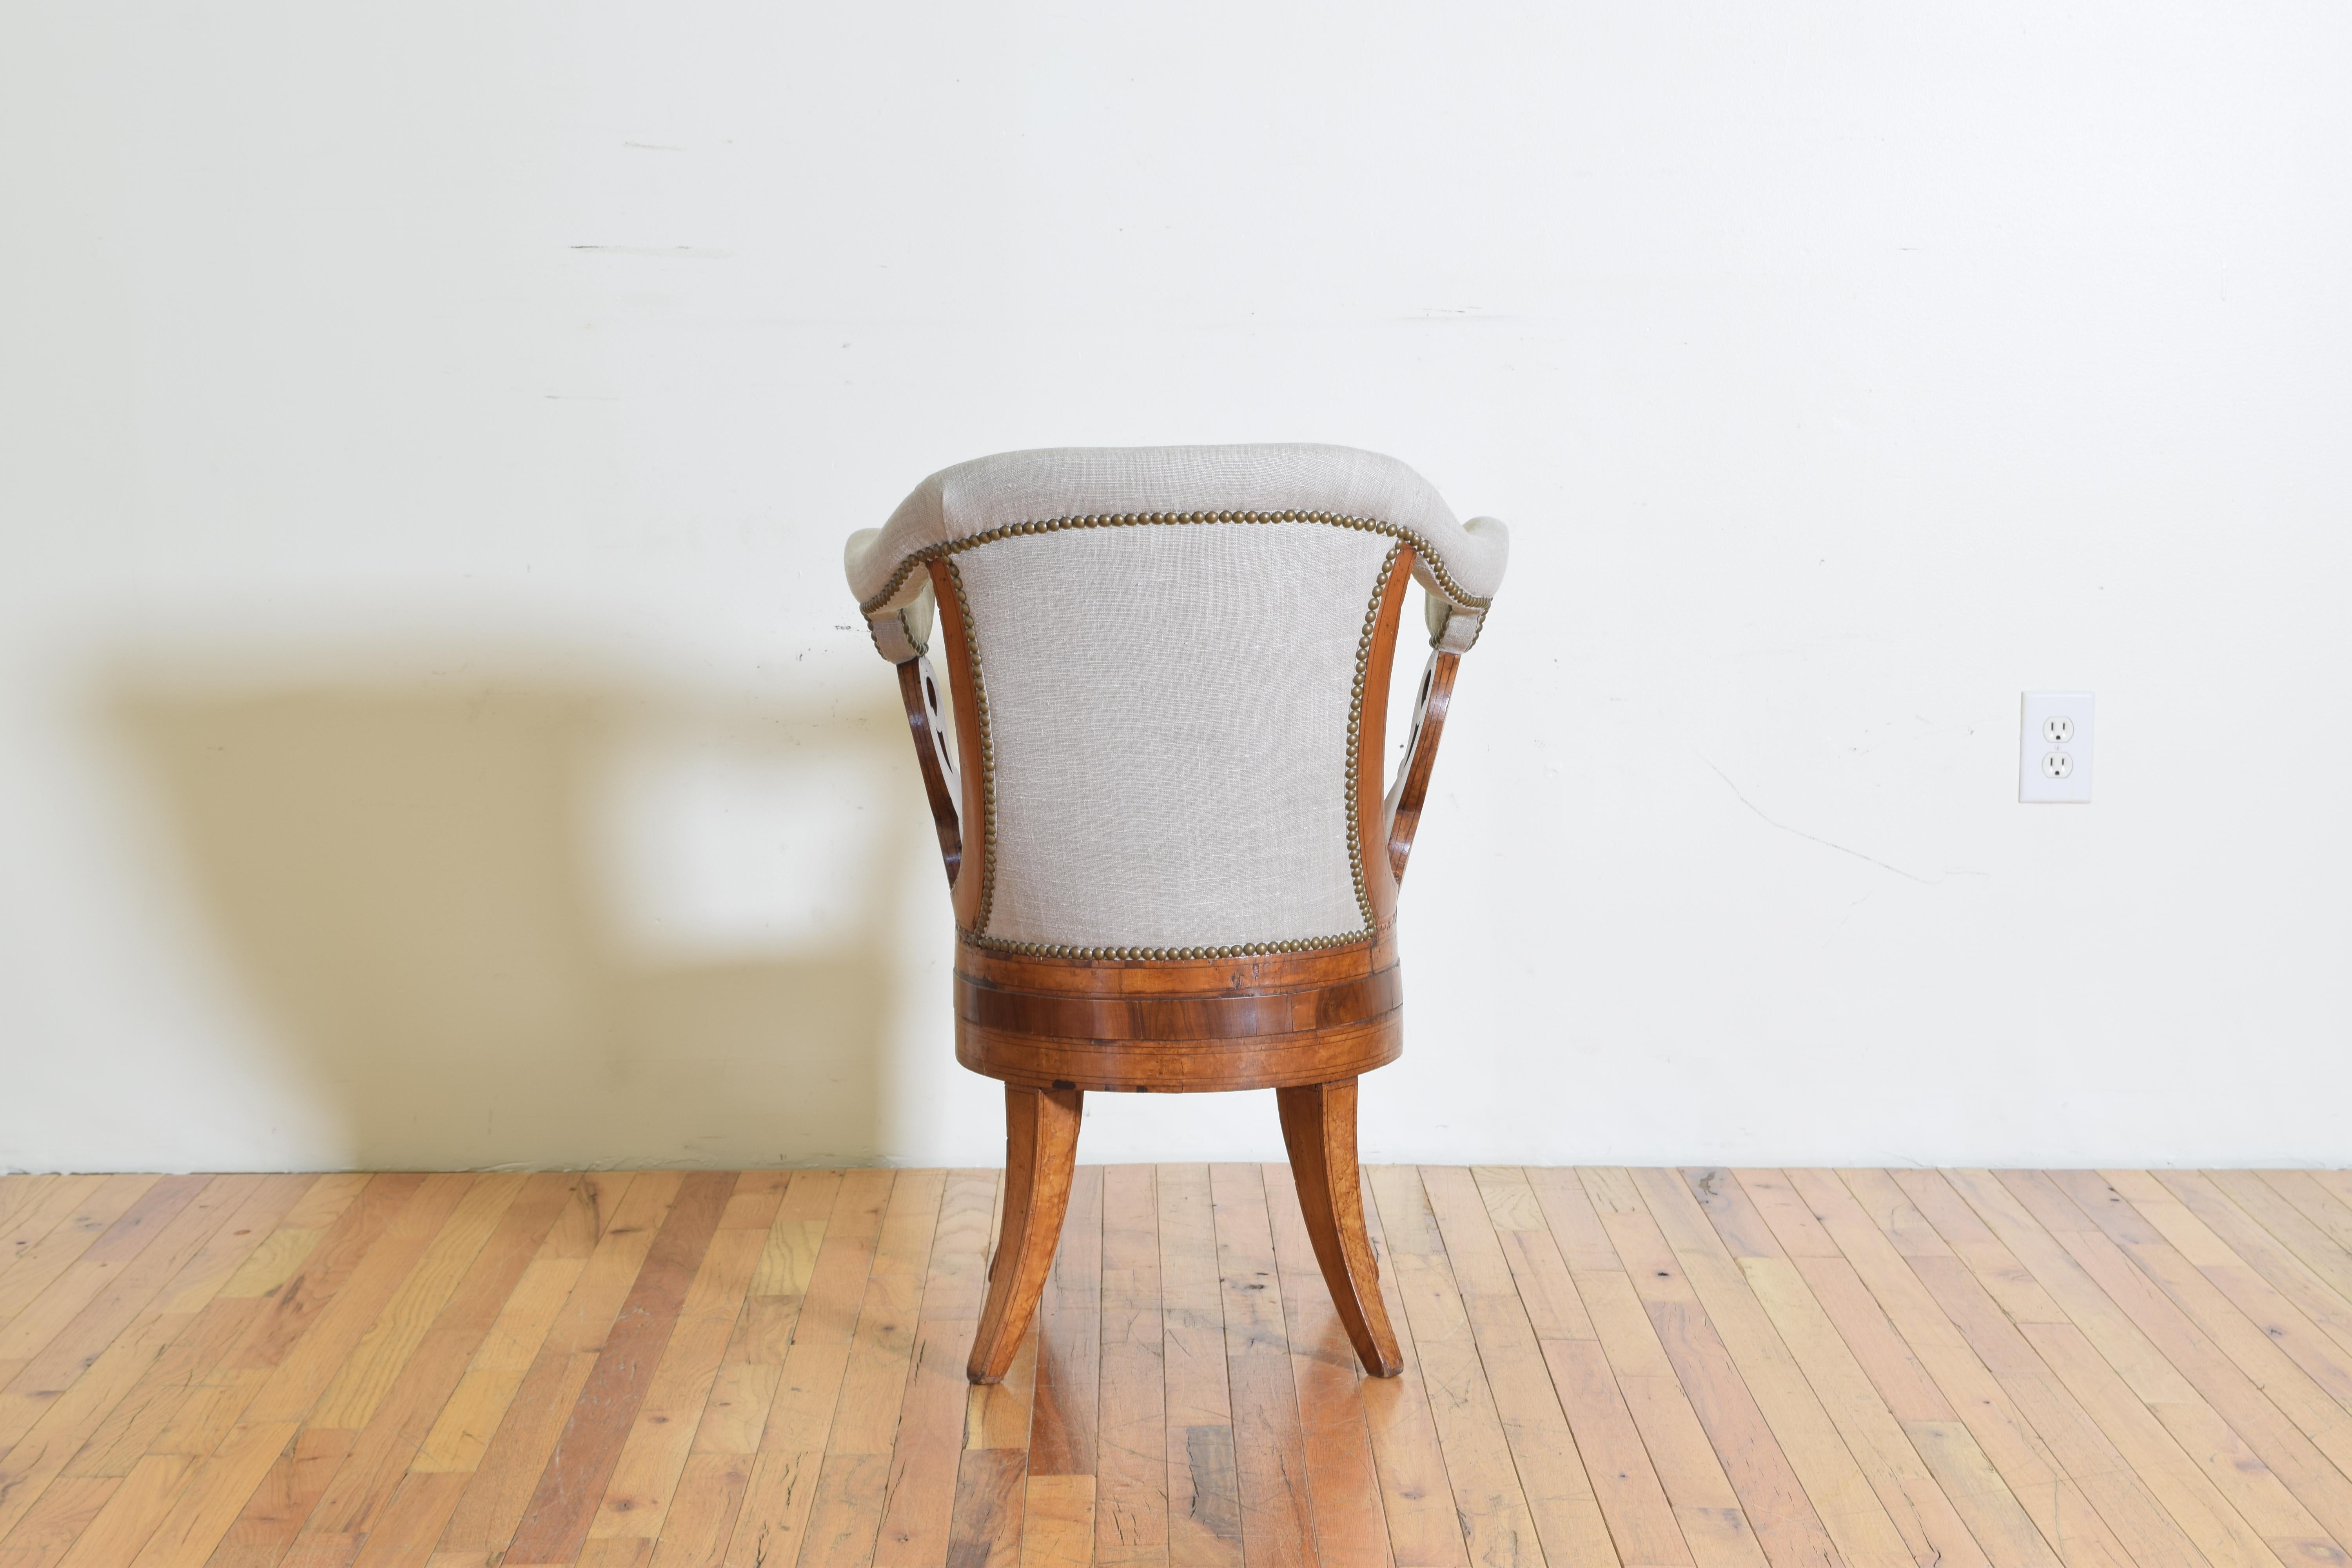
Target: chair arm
{"points": [[901, 629], [1454, 626]]}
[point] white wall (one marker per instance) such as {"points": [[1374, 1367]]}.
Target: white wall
{"points": [[433, 728]]}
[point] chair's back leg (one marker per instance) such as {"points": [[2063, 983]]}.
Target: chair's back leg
{"points": [[1318, 1126], [1041, 1154]]}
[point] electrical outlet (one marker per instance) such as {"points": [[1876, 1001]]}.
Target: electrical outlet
{"points": [[2053, 752]]}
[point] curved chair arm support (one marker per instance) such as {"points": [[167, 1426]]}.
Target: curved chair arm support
{"points": [[919, 685], [1411, 785]]}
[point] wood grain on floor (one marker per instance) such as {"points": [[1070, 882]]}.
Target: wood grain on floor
{"points": [[1659, 1369]]}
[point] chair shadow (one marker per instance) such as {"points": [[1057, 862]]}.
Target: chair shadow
{"points": [[412, 882]]}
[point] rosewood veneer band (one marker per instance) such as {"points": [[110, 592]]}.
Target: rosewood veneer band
{"points": [[1236, 976], [1178, 1018], [1154, 1027], [1183, 1066]]}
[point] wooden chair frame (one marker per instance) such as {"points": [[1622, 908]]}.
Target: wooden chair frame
{"points": [[1305, 1025]]}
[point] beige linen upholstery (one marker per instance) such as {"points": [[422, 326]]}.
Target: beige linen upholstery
{"points": [[1165, 643]]}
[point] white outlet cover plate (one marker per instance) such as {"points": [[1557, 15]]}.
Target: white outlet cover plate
{"points": [[2035, 786]]}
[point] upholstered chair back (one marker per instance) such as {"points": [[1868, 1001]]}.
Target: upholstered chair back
{"points": [[1165, 653], [1173, 864]]}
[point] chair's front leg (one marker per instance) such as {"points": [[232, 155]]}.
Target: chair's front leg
{"points": [[1041, 1155], [1318, 1126]]}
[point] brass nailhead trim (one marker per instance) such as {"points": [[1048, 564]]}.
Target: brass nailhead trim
{"points": [[1164, 954], [1131, 519], [1355, 729], [978, 932]]}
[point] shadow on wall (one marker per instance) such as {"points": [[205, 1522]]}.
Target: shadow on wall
{"points": [[519, 921]]}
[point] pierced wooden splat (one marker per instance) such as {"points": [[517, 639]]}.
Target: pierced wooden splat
{"points": [[1404, 801], [919, 687]]}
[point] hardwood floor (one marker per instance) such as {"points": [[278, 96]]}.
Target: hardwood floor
{"points": [[1663, 1369]]}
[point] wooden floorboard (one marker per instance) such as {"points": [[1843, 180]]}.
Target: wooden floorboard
{"points": [[1704, 1368]]}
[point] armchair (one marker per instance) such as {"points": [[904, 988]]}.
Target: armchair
{"points": [[1173, 864]]}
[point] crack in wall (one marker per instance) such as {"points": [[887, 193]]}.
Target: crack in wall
{"points": [[1815, 839]]}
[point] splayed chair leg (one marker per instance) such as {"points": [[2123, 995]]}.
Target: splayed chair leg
{"points": [[1041, 1154], [1318, 1126]]}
